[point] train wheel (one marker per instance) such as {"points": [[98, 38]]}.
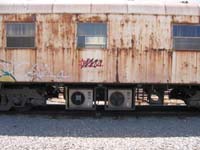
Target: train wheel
{"points": [[5, 103], [21, 103], [193, 99]]}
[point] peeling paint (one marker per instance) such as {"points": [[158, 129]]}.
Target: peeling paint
{"points": [[139, 50]]}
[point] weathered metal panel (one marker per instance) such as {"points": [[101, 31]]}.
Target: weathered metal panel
{"points": [[193, 67], [16, 63], [2, 43], [150, 29], [91, 18], [144, 67], [121, 31], [185, 63], [1, 33], [140, 32], [185, 19], [139, 51], [185, 67], [2, 51], [20, 63], [55, 55], [132, 67], [152, 51], [19, 18], [158, 67], [96, 65]]}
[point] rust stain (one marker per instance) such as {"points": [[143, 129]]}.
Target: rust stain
{"points": [[138, 49], [54, 29], [96, 19], [122, 25], [19, 18], [38, 33], [185, 65], [185, 19], [117, 65], [122, 42], [92, 18]]}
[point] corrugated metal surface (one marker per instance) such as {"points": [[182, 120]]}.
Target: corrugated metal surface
{"points": [[139, 51], [185, 67], [20, 62], [1, 34], [142, 51], [56, 56], [164, 7]]}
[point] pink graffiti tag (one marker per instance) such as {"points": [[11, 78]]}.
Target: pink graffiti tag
{"points": [[91, 63]]}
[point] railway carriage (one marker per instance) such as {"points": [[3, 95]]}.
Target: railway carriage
{"points": [[91, 51]]}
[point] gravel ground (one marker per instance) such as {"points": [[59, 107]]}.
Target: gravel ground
{"points": [[56, 132]]}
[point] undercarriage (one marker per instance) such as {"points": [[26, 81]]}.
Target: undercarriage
{"points": [[121, 97]]}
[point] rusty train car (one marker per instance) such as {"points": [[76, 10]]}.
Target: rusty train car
{"points": [[99, 50]]}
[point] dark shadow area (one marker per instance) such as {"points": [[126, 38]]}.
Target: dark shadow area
{"points": [[69, 126]]}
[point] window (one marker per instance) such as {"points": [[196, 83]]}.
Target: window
{"points": [[91, 35], [20, 35], [186, 37]]}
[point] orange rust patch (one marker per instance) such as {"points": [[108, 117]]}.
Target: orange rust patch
{"points": [[19, 18]]}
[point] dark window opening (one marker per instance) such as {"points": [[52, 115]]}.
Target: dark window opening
{"points": [[20, 35], [91, 35], [186, 37]]}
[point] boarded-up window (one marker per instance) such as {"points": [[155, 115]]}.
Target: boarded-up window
{"points": [[91, 35], [186, 37], [20, 35]]}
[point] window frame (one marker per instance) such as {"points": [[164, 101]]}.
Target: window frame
{"points": [[183, 37], [22, 22], [92, 46]]}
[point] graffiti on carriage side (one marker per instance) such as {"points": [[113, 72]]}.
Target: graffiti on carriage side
{"points": [[6, 76], [42, 72], [91, 63], [6, 65], [35, 72]]}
